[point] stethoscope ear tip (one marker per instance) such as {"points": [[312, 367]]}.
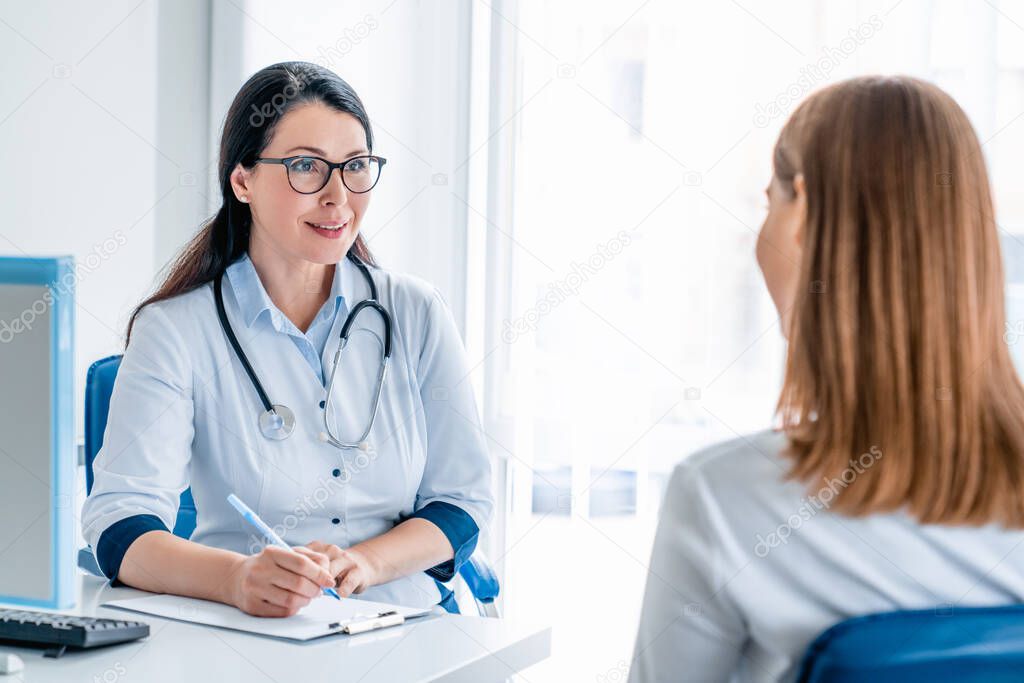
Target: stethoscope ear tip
{"points": [[322, 436]]}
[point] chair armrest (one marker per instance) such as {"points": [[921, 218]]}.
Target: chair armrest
{"points": [[480, 577], [87, 561]]}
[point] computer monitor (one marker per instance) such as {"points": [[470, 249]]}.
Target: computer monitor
{"points": [[37, 449]]}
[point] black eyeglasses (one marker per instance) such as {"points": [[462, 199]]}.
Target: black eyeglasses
{"points": [[309, 175]]}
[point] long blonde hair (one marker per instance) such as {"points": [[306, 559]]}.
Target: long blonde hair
{"points": [[895, 341]]}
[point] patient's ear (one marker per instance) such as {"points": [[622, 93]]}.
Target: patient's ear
{"points": [[800, 197]]}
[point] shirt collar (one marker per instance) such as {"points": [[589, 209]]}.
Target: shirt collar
{"points": [[253, 299]]}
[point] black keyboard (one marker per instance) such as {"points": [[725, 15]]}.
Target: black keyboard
{"points": [[61, 631]]}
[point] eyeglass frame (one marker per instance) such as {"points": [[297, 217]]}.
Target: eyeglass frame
{"points": [[284, 161]]}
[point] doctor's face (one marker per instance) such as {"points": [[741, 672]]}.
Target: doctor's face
{"points": [[779, 247], [285, 221]]}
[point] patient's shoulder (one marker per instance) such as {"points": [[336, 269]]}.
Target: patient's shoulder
{"points": [[742, 479], [757, 455]]}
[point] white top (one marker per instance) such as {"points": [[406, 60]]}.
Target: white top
{"points": [[748, 569], [183, 412]]}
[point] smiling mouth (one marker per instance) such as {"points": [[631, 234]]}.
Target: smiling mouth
{"points": [[327, 226], [330, 231]]}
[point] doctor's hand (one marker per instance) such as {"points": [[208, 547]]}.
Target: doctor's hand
{"points": [[278, 583], [352, 570]]}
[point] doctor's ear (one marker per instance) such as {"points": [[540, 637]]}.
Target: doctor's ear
{"points": [[241, 183]]}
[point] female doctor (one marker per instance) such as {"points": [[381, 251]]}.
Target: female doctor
{"points": [[230, 383]]}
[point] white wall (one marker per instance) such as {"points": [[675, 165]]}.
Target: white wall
{"points": [[78, 132], [409, 63], [111, 114]]}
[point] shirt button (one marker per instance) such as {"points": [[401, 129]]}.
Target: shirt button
{"points": [[321, 404], [335, 521], [336, 472]]}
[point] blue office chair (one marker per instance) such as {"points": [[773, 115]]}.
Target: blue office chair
{"points": [[99, 384], [942, 644]]}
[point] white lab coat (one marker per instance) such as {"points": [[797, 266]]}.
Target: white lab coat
{"points": [[184, 413]]}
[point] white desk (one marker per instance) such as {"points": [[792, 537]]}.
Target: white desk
{"points": [[433, 648]]}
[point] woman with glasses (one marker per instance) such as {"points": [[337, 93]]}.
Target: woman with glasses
{"points": [[277, 362], [896, 480]]}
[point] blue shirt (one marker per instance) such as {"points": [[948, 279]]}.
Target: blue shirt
{"points": [[254, 302], [184, 414]]}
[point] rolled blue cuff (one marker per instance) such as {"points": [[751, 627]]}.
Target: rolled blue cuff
{"points": [[114, 542], [461, 531]]}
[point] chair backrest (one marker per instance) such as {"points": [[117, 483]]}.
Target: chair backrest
{"points": [[99, 384], [942, 644]]}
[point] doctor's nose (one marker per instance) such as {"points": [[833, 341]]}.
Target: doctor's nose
{"points": [[334, 192]]}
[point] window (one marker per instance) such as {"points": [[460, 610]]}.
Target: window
{"points": [[637, 328]]}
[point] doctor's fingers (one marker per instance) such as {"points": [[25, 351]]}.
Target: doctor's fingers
{"points": [[351, 580], [258, 607], [338, 559], [293, 583], [319, 546], [266, 600], [287, 600], [300, 563], [316, 554]]}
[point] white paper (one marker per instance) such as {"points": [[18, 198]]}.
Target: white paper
{"points": [[323, 616]]}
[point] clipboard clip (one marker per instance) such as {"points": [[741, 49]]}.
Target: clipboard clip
{"points": [[370, 623]]}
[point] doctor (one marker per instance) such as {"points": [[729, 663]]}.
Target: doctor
{"points": [[230, 384]]}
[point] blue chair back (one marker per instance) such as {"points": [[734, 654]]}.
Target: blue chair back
{"points": [[941, 644], [99, 385]]}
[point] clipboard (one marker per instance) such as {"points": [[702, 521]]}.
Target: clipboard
{"points": [[370, 623], [322, 617]]}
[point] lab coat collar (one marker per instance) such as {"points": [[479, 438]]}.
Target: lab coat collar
{"points": [[350, 281]]}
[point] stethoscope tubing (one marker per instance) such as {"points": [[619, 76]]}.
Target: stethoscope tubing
{"points": [[278, 421]]}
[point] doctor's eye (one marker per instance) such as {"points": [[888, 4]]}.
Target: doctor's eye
{"points": [[305, 165], [356, 166]]}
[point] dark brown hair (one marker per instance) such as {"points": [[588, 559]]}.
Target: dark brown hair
{"points": [[895, 343], [248, 128]]}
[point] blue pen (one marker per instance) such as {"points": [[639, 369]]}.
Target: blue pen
{"points": [[251, 517]]}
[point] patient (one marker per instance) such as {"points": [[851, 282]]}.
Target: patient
{"points": [[896, 480]]}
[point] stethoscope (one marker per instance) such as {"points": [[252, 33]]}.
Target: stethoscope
{"points": [[277, 421]]}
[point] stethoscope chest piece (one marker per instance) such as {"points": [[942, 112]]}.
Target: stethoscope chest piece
{"points": [[277, 423]]}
